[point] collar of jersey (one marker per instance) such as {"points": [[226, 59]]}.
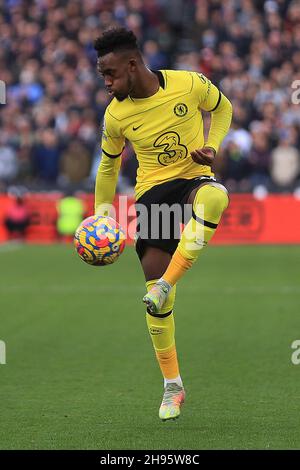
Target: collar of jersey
{"points": [[160, 77]]}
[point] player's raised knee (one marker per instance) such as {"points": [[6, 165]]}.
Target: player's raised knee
{"points": [[210, 201]]}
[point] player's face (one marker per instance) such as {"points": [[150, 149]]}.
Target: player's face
{"points": [[118, 71]]}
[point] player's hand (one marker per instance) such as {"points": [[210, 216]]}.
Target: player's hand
{"points": [[204, 156]]}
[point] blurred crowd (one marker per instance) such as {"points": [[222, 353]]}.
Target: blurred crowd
{"points": [[50, 124]]}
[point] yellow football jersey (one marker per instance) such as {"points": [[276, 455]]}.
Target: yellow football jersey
{"points": [[163, 129]]}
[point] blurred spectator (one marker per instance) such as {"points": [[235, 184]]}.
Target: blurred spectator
{"points": [[250, 49], [259, 160], [285, 163], [46, 156], [70, 211], [153, 56], [75, 163], [235, 168], [8, 163], [17, 219]]}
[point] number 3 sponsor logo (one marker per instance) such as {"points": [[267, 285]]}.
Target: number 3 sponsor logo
{"points": [[173, 150]]}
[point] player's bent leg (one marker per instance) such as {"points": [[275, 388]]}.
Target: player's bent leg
{"points": [[209, 203], [161, 327]]}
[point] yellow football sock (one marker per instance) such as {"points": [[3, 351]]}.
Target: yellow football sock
{"points": [[209, 204], [168, 362], [162, 331]]}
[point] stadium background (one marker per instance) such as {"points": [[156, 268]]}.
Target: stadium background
{"points": [[62, 372], [50, 125]]}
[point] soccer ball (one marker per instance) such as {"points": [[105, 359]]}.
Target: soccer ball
{"points": [[99, 240]]}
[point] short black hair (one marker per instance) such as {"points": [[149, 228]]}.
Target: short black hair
{"points": [[115, 39]]}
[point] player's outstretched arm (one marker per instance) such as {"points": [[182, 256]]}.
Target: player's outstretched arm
{"points": [[221, 114], [106, 182], [220, 123], [107, 176]]}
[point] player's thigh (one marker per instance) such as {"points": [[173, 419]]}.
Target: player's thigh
{"points": [[193, 193], [154, 262]]}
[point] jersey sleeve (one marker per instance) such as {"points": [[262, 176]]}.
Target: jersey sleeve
{"points": [[112, 139], [207, 94], [211, 99]]}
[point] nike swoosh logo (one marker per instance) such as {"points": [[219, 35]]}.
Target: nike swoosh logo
{"points": [[136, 128]]}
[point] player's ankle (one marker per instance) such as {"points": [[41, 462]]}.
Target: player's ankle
{"points": [[176, 380]]}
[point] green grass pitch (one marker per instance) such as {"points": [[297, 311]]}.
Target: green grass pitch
{"points": [[80, 371]]}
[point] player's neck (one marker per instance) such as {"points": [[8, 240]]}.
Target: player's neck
{"points": [[147, 85]]}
